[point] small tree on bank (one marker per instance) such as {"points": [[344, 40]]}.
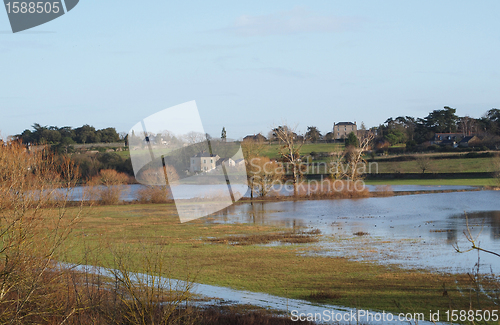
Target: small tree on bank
{"points": [[289, 150], [264, 174], [251, 149], [346, 165], [352, 140], [424, 163]]}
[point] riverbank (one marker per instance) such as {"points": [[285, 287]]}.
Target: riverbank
{"points": [[483, 182], [130, 194]]}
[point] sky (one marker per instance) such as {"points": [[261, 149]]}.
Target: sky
{"points": [[251, 65]]}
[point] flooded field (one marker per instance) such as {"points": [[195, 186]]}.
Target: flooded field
{"points": [[417, 231], [189, 191], [284, 255]]}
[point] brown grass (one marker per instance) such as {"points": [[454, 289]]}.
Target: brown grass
{"points": [[287, 237], [332, 189], [324, 295], [238, 316]]}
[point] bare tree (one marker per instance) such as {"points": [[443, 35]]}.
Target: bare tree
{"points": [[31, 230], [148, 298], [335, 166], [354, 156], [194, 138], [424, 163], [251, 149], [467, 125], [264, 174], [290, 145], [473, 241]]}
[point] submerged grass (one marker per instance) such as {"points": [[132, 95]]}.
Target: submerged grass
{"points": [[284, 237], [280, 270]]}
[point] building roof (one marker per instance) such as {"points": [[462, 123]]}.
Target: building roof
{"points": [[255, 137], [468, 138], [345, 123]]}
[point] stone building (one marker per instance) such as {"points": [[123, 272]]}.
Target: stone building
{"points": [[342, 129]]}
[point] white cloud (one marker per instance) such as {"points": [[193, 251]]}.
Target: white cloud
{"points": [[295, 21]]}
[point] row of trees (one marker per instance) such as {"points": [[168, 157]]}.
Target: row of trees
{"points": [[412, 131], [66, 135], [313, 134]]}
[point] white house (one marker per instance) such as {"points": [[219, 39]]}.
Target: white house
{"points": [[203, 162]]}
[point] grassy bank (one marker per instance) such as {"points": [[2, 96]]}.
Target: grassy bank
{"points": [[436, 182], [460, 165], [211, 253]]}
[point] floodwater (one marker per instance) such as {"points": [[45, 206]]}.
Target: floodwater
{"points": [[416, 231], [129, 192]]}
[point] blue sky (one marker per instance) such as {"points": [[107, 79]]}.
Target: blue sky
{"points": [[252, 65]]}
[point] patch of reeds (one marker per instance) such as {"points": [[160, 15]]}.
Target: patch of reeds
{"points": [[154, 194], [384, 190], [333, 189], [259, 239], [323, 295], [107, 187], [235, 315]]}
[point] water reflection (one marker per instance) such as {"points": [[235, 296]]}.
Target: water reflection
{"points": [[412, 230], [256, 213]]}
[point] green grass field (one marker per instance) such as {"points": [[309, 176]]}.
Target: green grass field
{"points": [[271, 151], [437, 182], [277, 269], [461, 165]]}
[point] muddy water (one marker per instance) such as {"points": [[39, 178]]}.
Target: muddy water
{"points": [[417, 231]]}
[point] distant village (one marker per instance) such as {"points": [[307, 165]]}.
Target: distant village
{"points": [[204, 161], [441, 130]]}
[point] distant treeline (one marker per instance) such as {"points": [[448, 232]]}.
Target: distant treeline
{"points": [[66, 135], [413, 131], [90, 165]]}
